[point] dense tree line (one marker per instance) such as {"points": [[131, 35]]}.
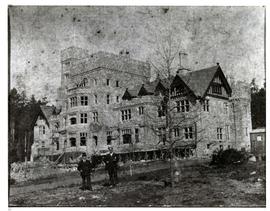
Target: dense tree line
{"points": [[258, 105], [22, 113]]}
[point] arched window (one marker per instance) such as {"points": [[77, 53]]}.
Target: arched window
{"points": [[72, 142], [95, 140], [73, 120]]}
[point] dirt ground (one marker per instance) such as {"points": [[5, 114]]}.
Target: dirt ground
{"points": [[199, 186]]}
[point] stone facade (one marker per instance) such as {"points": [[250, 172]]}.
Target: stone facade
{"points": [[108, 100]]}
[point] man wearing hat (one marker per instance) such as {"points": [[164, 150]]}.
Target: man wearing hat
{"points": [[85, 168], [111, 165]]}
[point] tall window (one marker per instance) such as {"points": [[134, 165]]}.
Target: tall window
{"points": [[161, 111], [73, 120], [42, 130], [137, 139], [43, 144], [83, 137], [126, 136], [96, 101], [162, 135], [206, 105], [117, 83], [176, 132], [108, 82], [83, 118], [73, 102], [188, 133], [219, 133], [95, 116], [226, 107], [95, 140], [117, 99], [183, 106], [84, 100], [109, 137], [126, 114], [72, 142], [141, 108], [108, 99], [228, 132], [57, 145]]}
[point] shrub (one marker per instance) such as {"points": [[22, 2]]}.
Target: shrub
{"points": [[228, 157]]}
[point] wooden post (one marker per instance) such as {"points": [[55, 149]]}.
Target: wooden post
{"points": [[25, 155]]}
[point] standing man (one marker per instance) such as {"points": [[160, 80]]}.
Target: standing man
{"points": [[85, 168], [111, 166]]}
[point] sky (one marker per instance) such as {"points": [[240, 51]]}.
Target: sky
{"points": [[231, 36]]}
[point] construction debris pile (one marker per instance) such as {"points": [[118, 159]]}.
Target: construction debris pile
{"points": [[21, 171]]}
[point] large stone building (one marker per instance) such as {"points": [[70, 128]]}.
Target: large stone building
{"points": [[109, 100]]}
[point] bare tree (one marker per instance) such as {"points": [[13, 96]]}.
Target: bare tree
{"points": [[173, 119]]}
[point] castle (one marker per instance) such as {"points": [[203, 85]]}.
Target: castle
{"points": [[109, 100]]}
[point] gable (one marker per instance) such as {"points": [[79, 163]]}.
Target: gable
{"points": [[219, 85], [179, 88], [127, 96], [142, 91]]}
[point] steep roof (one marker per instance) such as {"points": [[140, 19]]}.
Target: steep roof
{"points": [[199, 80]]}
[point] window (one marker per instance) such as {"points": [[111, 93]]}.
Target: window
{"points": [[42, 130], [206, 105], [95, 116], [126, 136], [108, 99], [229, 146], [141, 110], [188, 133], [96, 99], [226, 108], [137, 135], [221, 147], [162, 135], [85, 82], [228, 132], [126, 114], [83, 118], [246, 131], [182, 106], [208, 146], [109, 137], [117, 83], [73, 102], [108, 82], [95, 140], [219, 133], [117, 99], [95, 81], [216, 89], [43, 144], [84, 100], [176, 132], [57, 145], [72, 142], [161, 111], [73, 121], [83, 137]]}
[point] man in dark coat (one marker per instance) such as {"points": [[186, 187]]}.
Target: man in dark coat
{"points": [[111, 166], [85, 168]]}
